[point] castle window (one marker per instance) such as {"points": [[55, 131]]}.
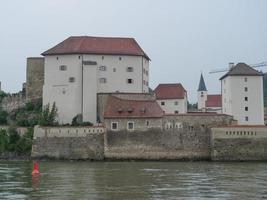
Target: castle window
{"points": [[130, 81], [246, 108], [246, 89], [57, 58], [102, 80], [246, 79], [79, 57], [191, 128], [246, 98], [114, 126], [71, 79], [103, 57], [147, 123], [162, 103], [129, 69], [103, 68], [246, 118], [119, 58], [130, 126], [62, 67], [114, 69], [176, 111], [176, 103], [146, 83], [144, 71], [147, 73]]}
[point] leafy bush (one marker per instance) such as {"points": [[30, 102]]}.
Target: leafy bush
{"points": [[14, 137], [77, 121], [48, 116], [24, 145], [10, 141], [3, 117], [3, 140]]}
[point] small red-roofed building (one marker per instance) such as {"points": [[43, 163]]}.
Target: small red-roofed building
{"points": [[172, 98], [132, 115]]}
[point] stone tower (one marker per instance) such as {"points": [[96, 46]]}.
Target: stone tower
{"points": [[202, 93]]}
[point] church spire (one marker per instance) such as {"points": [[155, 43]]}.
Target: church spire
{"points": [[202, 86]]}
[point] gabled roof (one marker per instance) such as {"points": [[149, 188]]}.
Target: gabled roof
{"points": [[242, 69], [97, 45], [170, 91], [214, 100], [202, 86], [122, 108]]}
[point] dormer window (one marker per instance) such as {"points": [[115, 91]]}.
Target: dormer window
{"points": [[143, 110], [130, 110], [120, 110]]}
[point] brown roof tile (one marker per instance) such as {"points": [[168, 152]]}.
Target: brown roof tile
{"points": [[242, 69], [97, 45], [214, 100], [170, 91], [121, 108]]}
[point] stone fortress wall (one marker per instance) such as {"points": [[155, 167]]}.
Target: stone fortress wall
{"points": [[181, 137], [68, 143], [239, 143], [31, 90]]}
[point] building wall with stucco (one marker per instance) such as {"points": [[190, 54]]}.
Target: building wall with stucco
{"points": [[103, 74]]}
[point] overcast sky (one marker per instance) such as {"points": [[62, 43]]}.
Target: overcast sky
{"points": [[182, 38]]}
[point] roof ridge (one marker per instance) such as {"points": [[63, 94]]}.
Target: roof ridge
{"points": [[132, 99]]}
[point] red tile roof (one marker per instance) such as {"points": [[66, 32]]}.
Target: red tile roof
{"points": [[121, 108], [214, 100], [97, 45], [170, 91]]}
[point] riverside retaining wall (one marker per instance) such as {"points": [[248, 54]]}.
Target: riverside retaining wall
{"points": [[68, 143], [239, 143]]}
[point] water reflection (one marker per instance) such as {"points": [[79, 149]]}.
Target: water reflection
{"points": [[133, 180]]}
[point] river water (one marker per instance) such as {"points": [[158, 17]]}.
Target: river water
{"points": [[133, 180]]}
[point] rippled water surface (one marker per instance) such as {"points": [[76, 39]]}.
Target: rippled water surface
{"points": [[133, 180]]}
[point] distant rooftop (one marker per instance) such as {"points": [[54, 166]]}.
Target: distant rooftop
{"points": [[170, 91], [97, 45], [214, 100], [242, 69]]}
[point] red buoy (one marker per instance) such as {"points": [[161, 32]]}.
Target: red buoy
{"points": [[35, 168]]}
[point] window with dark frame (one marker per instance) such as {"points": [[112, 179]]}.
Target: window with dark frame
{"points": [[130, 81], [71, 79], [114, 125], [129, 69], [162, 103], [130, 126], [246, 89], [62, 67], [246, 108], [246, 98]]}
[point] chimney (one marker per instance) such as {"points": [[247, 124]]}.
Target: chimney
{"points": [[231, 65]]}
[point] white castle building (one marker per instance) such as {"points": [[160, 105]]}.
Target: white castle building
{"points": [[242, 94], [80, 67]]}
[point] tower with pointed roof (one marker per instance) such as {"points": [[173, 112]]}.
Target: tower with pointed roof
{"points": [[202, 93], [242, 94]]}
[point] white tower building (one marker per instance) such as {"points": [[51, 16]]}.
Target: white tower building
{"points": [[242, 94], [202, 94], [80, 67]]}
